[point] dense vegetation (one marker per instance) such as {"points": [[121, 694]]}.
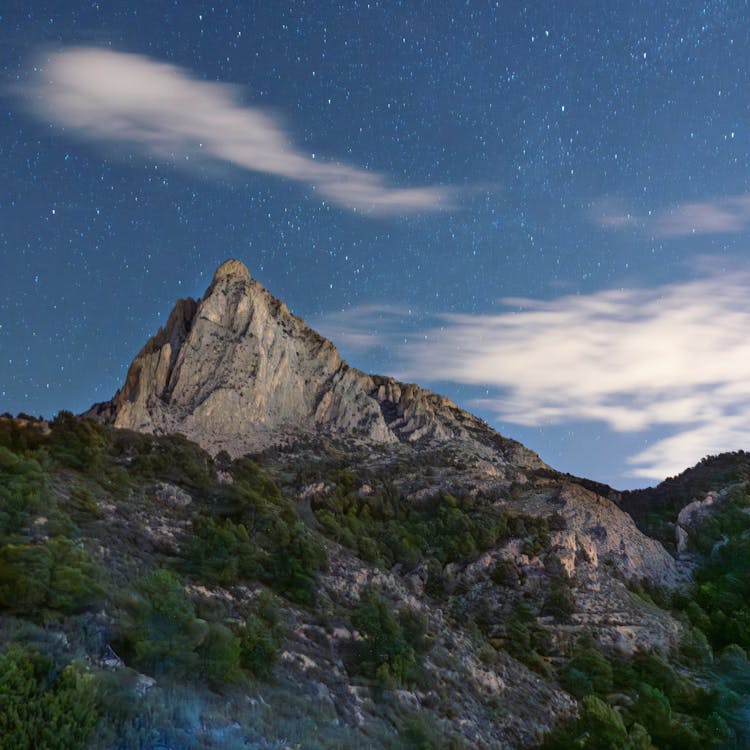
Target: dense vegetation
{"points": [[62, 561], [699, 697], [91, 575], [381, 528]]}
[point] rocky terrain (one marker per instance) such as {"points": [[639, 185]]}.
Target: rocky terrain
{"points": [[236, 371], [340, 560]]}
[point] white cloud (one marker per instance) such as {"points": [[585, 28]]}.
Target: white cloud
{"points": [[364, 327], [674, 357], [729, 215], [131, 99], [725, 215]]}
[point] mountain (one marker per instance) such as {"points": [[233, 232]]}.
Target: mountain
{"points": [[236, 371], [255, 545]]}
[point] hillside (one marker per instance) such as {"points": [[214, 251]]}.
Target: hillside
{"points": [[330, 559]]}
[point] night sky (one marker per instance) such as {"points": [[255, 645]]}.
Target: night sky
{"points": [[540, 210]]}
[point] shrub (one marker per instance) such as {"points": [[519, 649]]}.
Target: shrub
{"points": [[220, 552], [165, 631], [294, 561], [23, 490], [594, 666], [388, 654], [77, 443], [559, 602], [55, 575], [258, 536], [260, 646], [219, 655], [598, 727], [41, 709]]}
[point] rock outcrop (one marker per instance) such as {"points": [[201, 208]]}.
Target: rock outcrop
{"points": [[237, 371]]}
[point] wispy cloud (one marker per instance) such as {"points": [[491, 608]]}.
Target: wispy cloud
{"points": [[132, 99], [365, 327], [612, 213], [729, 215], [676, 357], [725, 215]]}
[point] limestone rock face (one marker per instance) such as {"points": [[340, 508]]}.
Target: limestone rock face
{"points": [[237, 371]]}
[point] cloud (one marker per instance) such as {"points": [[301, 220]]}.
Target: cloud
{"points": [[674, 357], [727, 215], [365, 327], [132, 99], [611, 213]]}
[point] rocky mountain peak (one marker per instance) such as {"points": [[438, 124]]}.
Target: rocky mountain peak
{"points": [[237, 371], [231, 269]]}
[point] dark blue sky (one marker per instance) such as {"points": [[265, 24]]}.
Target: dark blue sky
{"points": [[539, 209]]}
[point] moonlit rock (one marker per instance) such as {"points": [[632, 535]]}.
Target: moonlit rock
{"points": [[237, 371]]}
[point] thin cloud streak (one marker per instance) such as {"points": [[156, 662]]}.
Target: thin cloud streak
{"points": [[727, 215], [132, 99], [675, 357], [723, 216]]}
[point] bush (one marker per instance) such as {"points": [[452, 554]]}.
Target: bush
{"points": [[560, 602], [260, 646], [23, 491], [389, 653], [219, 655], [294, 561], [598, 727], [55, 575], [589, 671], [165, 631], [220, 552], [78, 443], [254, 533], [41, 709], [386, 530]]}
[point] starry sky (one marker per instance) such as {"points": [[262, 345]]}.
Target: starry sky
{"points": [[540, 210]]}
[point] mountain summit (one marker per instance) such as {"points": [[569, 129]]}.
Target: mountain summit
{"points": [[237, 371]]}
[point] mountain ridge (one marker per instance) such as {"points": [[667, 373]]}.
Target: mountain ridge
{"points": [[237, 371]]}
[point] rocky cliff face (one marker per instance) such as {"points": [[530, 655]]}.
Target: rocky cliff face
{"points": [[237, 371]]}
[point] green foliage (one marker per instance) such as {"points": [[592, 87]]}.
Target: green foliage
{"points": [[723, 594], [166, 636], [418, 733], [559, 602], [260, 638], [385, 529], [56, 575], [588, 671], [21, 435], [41, 708], [260, 537], [219, 655], [599, 727], [525, 639], [259, 648], [667, 709], [294, 561], [23, 490], [78, 443], [221, 552], [505, 573], [389, 653], [171, 458], [165, 631]]}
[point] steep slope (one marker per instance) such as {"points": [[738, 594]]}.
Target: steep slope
{"points": [[236, 371]]}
